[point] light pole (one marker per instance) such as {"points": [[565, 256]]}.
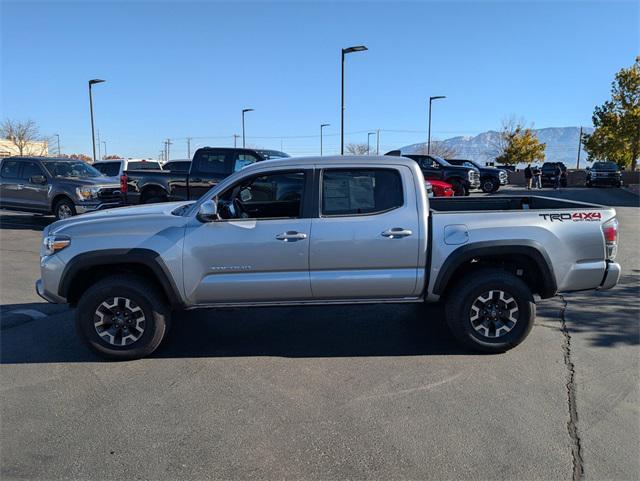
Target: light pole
{"points": [[579, 147], [58, 137], [378, 142], [93, 135], [369, 134], [235, 140], [321, 127], [243, 112], [358, 48], [105, 148], [431, 99]]}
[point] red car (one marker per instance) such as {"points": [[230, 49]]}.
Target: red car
{"points": [[441, 189]]}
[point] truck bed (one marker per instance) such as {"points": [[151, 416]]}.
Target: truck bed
{"points": [[502, 203]]}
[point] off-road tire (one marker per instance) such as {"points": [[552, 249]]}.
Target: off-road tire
{"points": [[466, 292], [141, 294]]}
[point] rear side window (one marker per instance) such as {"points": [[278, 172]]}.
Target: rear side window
{"points": [[360, 191], [213, 163], [177, 166], [29, 170], [110, 169], [10, 169]]}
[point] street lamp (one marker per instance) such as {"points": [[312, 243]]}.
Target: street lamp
{"points": [[321, 127], [243, 112], [369, 134], [93, 135], [358, 48], [431, 99]]}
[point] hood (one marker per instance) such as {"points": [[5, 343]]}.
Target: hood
{"points": [[98, 181], [123, 213]]}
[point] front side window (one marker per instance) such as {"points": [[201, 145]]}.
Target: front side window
{"points": [[268, 196], [360, 191], [29, 169], [242, 160], [10, 169]]}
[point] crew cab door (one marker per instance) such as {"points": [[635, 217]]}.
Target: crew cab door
{"points": [[33, 193], [9, 182], [365, 242], [259, 250]]}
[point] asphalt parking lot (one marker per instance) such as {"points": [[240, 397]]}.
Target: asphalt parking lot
{"points": [[377, 392]]}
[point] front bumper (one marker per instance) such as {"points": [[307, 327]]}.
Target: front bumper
{"points": [[611, 276], [83, 208], [605, 181], [47, 296]]}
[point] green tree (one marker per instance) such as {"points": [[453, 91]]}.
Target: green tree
{"points": [[617, 122], [518, 144]]}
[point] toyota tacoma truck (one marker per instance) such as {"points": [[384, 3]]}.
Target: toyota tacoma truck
{"points": [[209, 166], [325, 230]]}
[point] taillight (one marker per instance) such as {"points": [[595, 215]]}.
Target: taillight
{"points": [[123, 183], [610, 232]]}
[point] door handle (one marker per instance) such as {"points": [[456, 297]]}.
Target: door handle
{"points": [[396, 233], [291, 236]]}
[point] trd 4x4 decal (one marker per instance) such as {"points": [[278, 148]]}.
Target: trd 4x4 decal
{"points": [[576, 216]]}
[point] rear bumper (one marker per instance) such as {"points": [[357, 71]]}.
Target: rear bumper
{"points": [[611, 276]]}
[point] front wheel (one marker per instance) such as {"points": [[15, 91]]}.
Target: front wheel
{"points": [[489, 185], [64, 209], [491, 311], [122, 317], [458, 187]]}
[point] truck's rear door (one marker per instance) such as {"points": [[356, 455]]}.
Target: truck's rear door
{"points": [[365, 242]]}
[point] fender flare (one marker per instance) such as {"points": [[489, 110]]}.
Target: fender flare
{"points": [[525, 247], [113, 257]]}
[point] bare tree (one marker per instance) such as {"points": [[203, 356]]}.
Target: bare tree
{"points": [[500, 143], [356, 149], [439, 149], [25, 136]]}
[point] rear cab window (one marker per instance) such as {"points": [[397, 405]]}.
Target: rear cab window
{"points": [[144, 166], [213, 162], [347, 192], [110, 169]]}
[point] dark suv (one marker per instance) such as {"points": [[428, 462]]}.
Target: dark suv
{"points": [[462, 179], [491, 178], [62, 187], [604, 173], [548, 175]]}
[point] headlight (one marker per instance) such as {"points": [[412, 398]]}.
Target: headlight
{"points": [[54, 243], [86, 193]]}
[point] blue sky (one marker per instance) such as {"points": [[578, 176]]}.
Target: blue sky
{"points": [[178, 69]]}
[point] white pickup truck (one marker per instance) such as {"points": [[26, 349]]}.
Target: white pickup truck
{"points": [[325, 230]]}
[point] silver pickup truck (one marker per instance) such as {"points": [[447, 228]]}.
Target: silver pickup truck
{"points": [[325, 230]]}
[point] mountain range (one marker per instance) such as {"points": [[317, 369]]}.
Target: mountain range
{"points": [[562, 145]]}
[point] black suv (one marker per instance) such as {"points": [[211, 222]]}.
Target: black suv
{"points": [[604, 173], [548, 174], [462, 179], [490, 178], [63, 187]]}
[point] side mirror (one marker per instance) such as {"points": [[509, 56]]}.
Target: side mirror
{"points": [[38, 179], [208, 211]]}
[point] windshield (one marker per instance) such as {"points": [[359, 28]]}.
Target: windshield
{"points": [[71, 169], [440, 160], [605, 166], [272, 154]]}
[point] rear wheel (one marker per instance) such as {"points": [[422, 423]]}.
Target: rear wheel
{"points": [[491, 311], [458, 187], [64, 209], [122, 317]]}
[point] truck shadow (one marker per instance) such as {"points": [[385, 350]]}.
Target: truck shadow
{"points": [[329, 331], [33, 222]]}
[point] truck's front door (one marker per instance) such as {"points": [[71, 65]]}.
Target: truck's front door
{"points": [[259, 249], [365, 242]]}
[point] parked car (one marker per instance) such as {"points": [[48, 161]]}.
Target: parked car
{"points": [[490, 178], [210, 165], [117, 167], [325, 230], [441, 189], [604, 173], [177, 166], [62, 187], [462, 179], [548, 174]]}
